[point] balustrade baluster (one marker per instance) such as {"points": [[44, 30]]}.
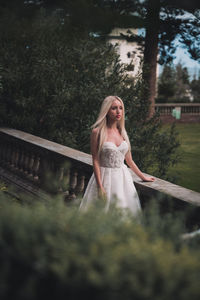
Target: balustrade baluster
{"points": [[8, 155], [13, 155], [66, 182], [26, 162], [30, 167], [36, 167], [21, 161], [80, 184], [44, 171], [60, 174], [3, 153], [16, 162], [54, 176], [64, 178], [72, 184]]}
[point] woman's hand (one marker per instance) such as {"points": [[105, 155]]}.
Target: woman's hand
{"points": [[145, 178], [135, 168], [102, 192]]}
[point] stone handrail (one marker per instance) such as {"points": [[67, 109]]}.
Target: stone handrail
{"points": [[26, 160], [185, 108]]}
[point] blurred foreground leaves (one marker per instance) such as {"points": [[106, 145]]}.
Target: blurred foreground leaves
{"points": [[48, 250]]}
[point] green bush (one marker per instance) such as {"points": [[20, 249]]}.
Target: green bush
{"points": [[53, 81], [50, 251]]}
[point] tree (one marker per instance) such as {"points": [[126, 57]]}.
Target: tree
{"points": [[164, 21], [166, 84], [182, 83], [168, 20], [54, 89], [174, 84], [195, 87]]}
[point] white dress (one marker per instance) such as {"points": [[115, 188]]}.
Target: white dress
{"points": [[116, 180]]}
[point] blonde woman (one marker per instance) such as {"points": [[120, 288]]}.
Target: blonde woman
{"points": [[110, 146]]}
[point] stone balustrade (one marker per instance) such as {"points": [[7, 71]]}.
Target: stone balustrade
{"points": [[185, 108], [40, 165], [37, 165]]}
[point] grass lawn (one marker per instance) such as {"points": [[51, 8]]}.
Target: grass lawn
{"points": [[188, 169]]}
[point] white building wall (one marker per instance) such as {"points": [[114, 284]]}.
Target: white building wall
{"points": [[124, 47], [129, 52]]}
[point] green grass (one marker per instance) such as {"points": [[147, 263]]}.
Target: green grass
{"points": [[187, 170]]}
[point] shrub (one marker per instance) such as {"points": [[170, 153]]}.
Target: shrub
{"points": [[53, 82], [55, 252]]}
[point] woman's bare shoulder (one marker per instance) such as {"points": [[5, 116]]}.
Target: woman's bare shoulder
{"points": [[94, 135], [95, 131]]}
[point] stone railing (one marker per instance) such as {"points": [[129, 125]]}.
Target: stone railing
{"points": [[184, 108], [39, 166]]}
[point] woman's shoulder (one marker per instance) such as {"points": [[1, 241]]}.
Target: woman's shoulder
{"points": [[95, 134], [95, 131]]}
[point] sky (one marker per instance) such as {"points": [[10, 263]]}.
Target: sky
{"points": [[181, 56]]}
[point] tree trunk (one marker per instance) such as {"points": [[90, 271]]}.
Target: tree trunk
{"points": [[151, 52]]}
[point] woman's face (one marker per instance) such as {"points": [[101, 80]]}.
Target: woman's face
{"points": [[115, 112]]}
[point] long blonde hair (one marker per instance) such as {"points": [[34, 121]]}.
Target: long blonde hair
{"points": [[101, 122]]}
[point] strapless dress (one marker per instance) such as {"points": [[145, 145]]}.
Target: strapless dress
{"points": [[116, 180]]}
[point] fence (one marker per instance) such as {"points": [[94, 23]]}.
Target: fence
{"points": [[185, 108], [26, 160]]}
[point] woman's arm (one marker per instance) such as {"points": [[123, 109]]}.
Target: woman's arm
{"points": [[135, 168], [95, 160]]}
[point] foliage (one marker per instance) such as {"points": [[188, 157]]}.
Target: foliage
{"points": [[102, 16], [166, 84], [54, 89], [51, 251], [2, 186], [163, 21], [182, 82], [174, 85], [195, 87]]}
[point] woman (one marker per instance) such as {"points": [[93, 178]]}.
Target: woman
{"points": [[109, 147]]}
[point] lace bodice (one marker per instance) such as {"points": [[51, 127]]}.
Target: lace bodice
{"points": [[112, 156], [116, 180]]}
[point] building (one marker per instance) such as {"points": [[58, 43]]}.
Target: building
{"points": [[130, 52]]}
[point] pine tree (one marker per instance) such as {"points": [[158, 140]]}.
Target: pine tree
{"points": [[195, 87], [166, 84], [183, 92], [174, 85]]}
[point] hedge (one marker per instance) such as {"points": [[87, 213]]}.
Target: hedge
{"points": [[51, 251]]}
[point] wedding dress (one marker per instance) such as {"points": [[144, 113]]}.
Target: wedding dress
{"points": [[116, 180]]}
